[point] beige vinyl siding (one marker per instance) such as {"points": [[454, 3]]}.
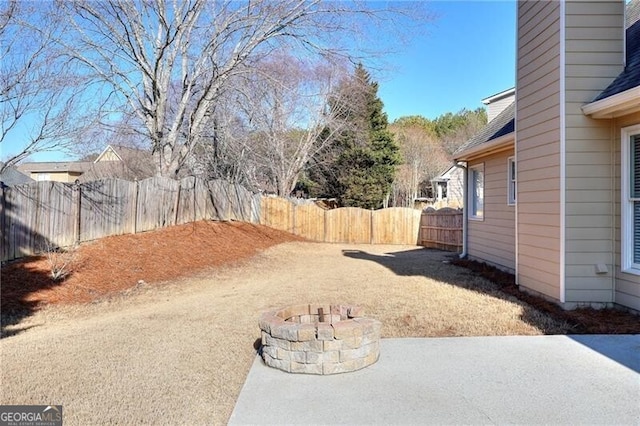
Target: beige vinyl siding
{"points": [[627, 286], [455, 188], [538, 146], [591, 65], [492, 239], [496, 107]]}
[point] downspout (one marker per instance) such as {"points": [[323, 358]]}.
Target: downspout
{"points": [[614, 243], [463, 166]]}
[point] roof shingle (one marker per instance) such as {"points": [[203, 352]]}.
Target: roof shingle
{"points": [[502, 125]]}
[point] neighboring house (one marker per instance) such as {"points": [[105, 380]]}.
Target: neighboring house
{"points": [[448, 188], [10, 176], [58, 171], [114, 162], [120, 162], [553, 181]]}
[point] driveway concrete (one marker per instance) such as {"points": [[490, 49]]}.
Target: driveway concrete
{"points": [[467, 380]]}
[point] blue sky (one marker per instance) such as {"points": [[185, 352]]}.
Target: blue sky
{"points": [[467, 54]]}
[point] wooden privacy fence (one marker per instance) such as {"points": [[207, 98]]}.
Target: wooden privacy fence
{"points": [[43, 215], [396, 225], [442, 229], [39, 215]]}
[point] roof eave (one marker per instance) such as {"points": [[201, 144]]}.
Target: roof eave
{"points": [[493, 146], [499, 96], [617, 105]]}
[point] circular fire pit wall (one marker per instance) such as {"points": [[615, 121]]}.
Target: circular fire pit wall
{"points": [[319, 339]]}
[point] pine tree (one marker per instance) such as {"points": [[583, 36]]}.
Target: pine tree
{"points": [[360, 166]]}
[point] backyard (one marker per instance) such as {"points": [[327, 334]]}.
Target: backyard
{"points": [[161, 327]]}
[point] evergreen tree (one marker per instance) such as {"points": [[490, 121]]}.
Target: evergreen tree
{"points": [[360, 166]]}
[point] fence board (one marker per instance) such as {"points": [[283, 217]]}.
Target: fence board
{"points": [[56, 223], [219, 199], [56, 213], [442, 229], [396, 225], [202, 201], [186, 211], [309, 222], [256, 208], [348, 225], [106, 208], [20, 219], [241, 202], [157, 202], [277, 213]]}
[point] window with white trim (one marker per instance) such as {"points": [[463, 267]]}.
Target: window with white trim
{"points": [[511, 181], [476, 191], [630, 200]]}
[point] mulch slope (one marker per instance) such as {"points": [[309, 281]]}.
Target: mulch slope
{"points": [[583, 321], [115, 264]]}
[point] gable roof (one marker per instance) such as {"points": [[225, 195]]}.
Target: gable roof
{"points": [[498, 130], [11, 177], [55, 166], [630, 76], [132, 164]]}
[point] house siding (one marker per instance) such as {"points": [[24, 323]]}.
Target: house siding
{"points": [[492, 239], [590, 66], [57, 176], [496, 107], [108, 155], [455, 188], [627, 286], [538, 147]]}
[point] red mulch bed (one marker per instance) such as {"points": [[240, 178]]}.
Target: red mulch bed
{"points": [[583, 321], [115, 264]]}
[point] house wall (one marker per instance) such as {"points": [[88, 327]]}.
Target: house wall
{"points": [[492, 239], [594, 57], [538, 147], [455, 188], [496, 107], [627, 286], [57, 176], [108, 155]]}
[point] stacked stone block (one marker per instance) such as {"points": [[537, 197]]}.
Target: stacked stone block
{"points": [[319, 339]]}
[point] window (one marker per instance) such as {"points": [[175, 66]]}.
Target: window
{"points": [[630, 200], [43, 176], [511, 181], [476, 191]]}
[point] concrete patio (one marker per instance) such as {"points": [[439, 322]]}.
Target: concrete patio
{"points": [[586, 379]]}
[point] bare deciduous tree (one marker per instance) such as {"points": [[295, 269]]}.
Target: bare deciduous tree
{"points": [[41, 101], [169, 61], [423, 158], [291, 117]]}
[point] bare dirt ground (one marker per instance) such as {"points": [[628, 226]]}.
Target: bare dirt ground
{"points": [[177, 350]]}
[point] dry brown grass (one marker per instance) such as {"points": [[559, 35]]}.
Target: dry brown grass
{"points": [[178, 353]]}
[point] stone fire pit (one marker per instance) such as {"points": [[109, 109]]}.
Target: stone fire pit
{"points": [[319, 339]]}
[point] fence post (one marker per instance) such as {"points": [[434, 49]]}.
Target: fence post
{"points": [[77, 194], [135, 206]]}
